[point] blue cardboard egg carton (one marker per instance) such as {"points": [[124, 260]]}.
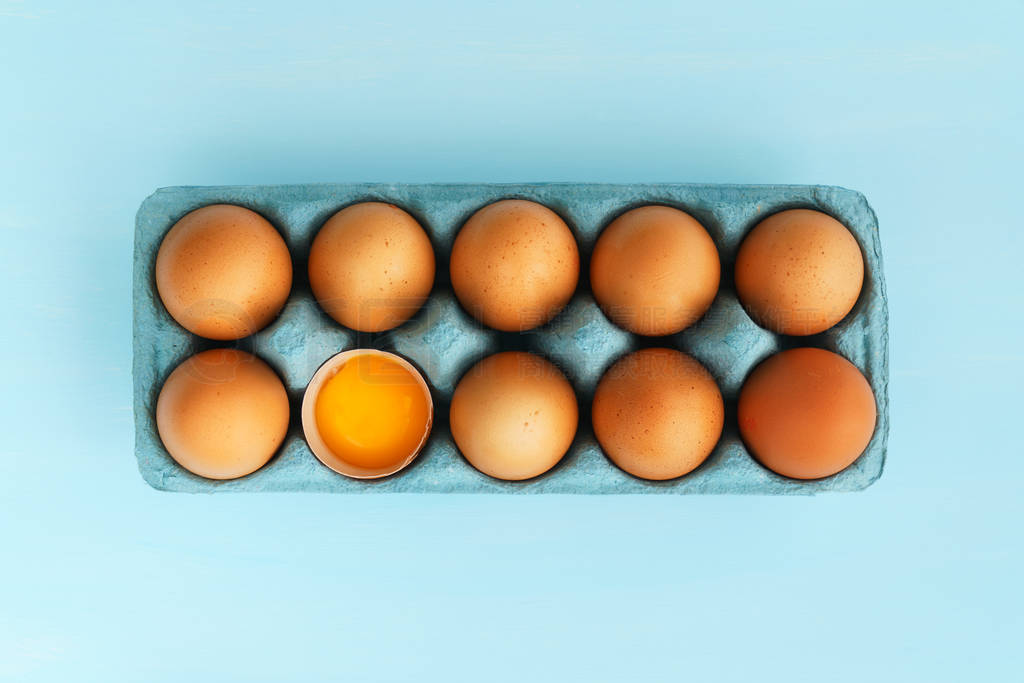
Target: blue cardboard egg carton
{"points": [[443, 341]]}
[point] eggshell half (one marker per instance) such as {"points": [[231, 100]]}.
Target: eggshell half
{"points": [[311, 430]]}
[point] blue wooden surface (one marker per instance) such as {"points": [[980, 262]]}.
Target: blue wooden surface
{"points": [[915, 579]]}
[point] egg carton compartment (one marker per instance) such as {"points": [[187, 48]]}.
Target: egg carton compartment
{"points": [[443, 341]]}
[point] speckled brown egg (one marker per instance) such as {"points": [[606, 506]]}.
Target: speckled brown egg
{"points": [[799, 272], [371, 266], [223, 272], [657, 413], [514, 265], [222, 414], [654, 270], [806, 413], [513, 415]]}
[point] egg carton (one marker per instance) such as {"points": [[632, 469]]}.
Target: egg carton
{"points": [[444, 341]]}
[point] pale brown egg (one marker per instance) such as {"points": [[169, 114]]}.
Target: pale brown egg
{"points": [[514, 265], [223, 272], [806, 413], [371, 266], [654, 270], [514, 415], [658, 413], [222, 414], [799, 272]]}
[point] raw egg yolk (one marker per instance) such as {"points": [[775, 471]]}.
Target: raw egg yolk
{"points": [[373, 412]]}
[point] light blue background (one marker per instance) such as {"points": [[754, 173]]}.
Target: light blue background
{"points": [[917, 579]]}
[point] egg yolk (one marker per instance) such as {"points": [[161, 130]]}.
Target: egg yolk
{"points": [[373, 412]]}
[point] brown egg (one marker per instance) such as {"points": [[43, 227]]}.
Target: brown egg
{"points": [[799, 272], [223, 272], [514, 265], [371, 266], [806, 413], [222, 414], [654, 270], [657, 413], [514, 415]]}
